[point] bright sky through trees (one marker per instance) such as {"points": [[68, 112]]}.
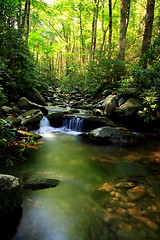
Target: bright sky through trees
{"points": [[49, 2]]}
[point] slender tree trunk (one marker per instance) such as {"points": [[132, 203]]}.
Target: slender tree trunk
{"points": [[28, 19], [104, 30], [94, 29], [82, 49], [147, 31], [19, 14], [125, 10], [24, 16], [25, 20], [110, 27]]}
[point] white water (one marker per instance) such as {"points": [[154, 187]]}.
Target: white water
{"points": [[45, 129], [72, 126]]}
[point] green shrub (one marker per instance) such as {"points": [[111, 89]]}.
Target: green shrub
{"points": [[17, 66], [7, 131], [108, 70]]}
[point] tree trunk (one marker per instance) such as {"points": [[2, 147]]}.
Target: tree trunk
{"points": [[28, 19], [104, 30], [94, 29], [125, 10], [147, 31], [25, 19], [110, 27], [82, 49]]}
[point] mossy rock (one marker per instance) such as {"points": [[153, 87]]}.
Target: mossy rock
{"points": [[10, 194]]}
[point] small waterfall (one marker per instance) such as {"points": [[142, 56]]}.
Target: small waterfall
{"points": [[74, 124], [44, 122], [45, 128]]}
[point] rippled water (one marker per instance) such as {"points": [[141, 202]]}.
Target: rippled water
{"points": [[69, 211]]}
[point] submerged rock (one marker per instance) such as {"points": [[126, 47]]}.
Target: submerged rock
{"points": [[118, 135], [38, 184]]}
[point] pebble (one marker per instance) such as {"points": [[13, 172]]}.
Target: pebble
{"points": [[125, 185], [136, 193], [105, 187], [147, 221]]}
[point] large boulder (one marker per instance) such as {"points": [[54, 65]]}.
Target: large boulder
{"points": [[110, 104], [10, 194], [56, 118], [31, 119], [118, 135], [10, 205], [129, 108], [93, 122], [25, 104], [35, 96]]}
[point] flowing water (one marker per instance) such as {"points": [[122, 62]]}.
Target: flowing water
{"points": [[71, 211]]}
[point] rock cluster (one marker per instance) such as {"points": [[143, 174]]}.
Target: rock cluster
{"points": [[130, 208], [28, 114]]}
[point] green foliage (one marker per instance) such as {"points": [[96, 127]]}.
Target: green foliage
{"points": [[150, 101], [3, 96], [146, 85], [146, 78], [7, 131], [108, 70], [73, 79], [154, 54], [18, 69]]}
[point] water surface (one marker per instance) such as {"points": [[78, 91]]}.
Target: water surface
{"points": [[69, 211]]}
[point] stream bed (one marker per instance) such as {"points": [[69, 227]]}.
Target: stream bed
{"points": [[92, 201]]}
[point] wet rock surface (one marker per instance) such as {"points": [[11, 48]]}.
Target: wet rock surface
{"points": [[118, 135]]}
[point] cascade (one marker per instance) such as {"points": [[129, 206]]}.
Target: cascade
{"points": [[44, 122], [74, 124], [45, 127]]}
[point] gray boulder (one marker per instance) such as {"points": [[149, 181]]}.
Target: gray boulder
{"points": [[10, 194], [130, 107], [35, 96], [110, 104], [31, 119], [93, 122], [25, 104], [118, 135]]}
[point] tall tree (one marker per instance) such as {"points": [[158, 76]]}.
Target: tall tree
{"points": [[147, 31], [94, 29], [82, 49], [110, 27], [125, 11]]}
